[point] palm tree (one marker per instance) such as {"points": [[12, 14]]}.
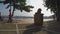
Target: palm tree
{"points": [[17, 4], [54, 5]]}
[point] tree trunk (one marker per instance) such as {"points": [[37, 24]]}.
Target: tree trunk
{"points": [[10, 17], [10, 14], [58, 11], [58, 15], [0, 17]]}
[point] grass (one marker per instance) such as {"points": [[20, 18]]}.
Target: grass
{"points": [[21, 31], [20, 26], [23, 26], [7, 26], [8, 32], [41, 32], [48, 22], [29, 32]]}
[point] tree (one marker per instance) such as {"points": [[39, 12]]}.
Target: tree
{"points": [[54, 5], [17, 4], [0, 17]]}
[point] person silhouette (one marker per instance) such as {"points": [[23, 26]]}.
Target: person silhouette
{"points": [[38, 18], [39, 11]]}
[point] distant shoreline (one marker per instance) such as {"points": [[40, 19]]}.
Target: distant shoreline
{"points": [[26, 18]]}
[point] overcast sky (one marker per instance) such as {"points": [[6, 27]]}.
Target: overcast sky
{"points": [[36, 3]]}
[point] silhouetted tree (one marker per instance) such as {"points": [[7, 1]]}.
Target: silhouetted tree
{"points": [[0, 17], [17, 4], [54, 5]]}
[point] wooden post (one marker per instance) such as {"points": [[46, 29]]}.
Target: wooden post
{"points": [[38, 18]]}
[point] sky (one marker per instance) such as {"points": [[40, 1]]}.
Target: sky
{"points": [[36, 3]]}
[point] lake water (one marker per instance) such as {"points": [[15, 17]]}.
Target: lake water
{"points": [[27, 18]]}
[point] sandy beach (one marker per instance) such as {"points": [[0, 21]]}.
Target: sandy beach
{"points": [[29, 21], [24, 21]]}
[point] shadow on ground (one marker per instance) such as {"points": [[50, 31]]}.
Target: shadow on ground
{"points": [[53, 28], [32, 29]]}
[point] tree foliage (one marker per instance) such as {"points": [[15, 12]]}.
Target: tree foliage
{"points": [[51, 4], [17, 4], [54, 5]]}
